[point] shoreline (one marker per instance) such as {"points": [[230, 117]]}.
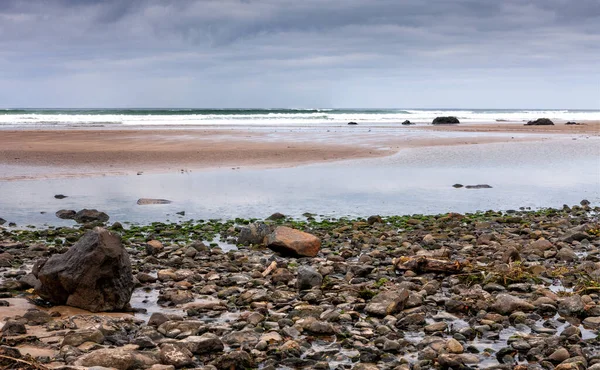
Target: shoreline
{"points": [[59, 153]]}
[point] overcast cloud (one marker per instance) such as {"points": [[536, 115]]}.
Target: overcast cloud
{"points": [[300, 53]]}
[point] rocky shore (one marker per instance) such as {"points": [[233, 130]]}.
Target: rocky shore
{"points": [[493, 290]]}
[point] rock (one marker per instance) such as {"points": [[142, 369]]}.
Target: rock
{"points": [[458, 186], [157, 319], [60, 196], [374, 219], [154, 247], [66, 214], [13, 327], [308, 278], [506, 304], [234, 360], [253, 234], [592, 322], [94, 274], [288, 241], [206, 343], [566, 254], [282, 276], [559, 355], [435, 327], [276, 217], [90, 215], [387, 303], [115, 358], [445, 120], [571, 306], [175, 354], [77, 338], [571, 123], [149, 201], [454, 346], [352, 123], [407, 123], [479, 186], [540, 122], [37, 317]]}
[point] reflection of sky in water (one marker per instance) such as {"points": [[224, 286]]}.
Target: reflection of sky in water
{"points": [[414, 181]]}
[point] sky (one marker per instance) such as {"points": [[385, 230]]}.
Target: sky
{"points": [[300, 53]]}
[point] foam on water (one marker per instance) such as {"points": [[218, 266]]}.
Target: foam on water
{"points": [[233, 117]]}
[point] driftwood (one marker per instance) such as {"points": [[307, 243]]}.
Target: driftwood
{"points": [[271, 267], [424, 264], [12, 363]]}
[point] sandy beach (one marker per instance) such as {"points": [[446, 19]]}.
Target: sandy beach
{"points": [[43, 153]]}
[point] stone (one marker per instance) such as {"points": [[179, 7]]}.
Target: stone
{"points": [[60, 196], [506, 304], [454, 346], [276, 217], [149, 201], [407, 123], [592, 322], [435, 327], [291, 242], [540, 122], [559, 355], [116, 358], [13, 327], [153, 247], [206, 343], [308, 278], [478, 186], [175, 354], [449, 120], [94, 274], [37, 317], [157, 319], [66, 214], [352, 123], [253, 234], [282, 276], [77, 338], [90, 215], [571, 306], [374, 219], [566, 254], [234, 360], [387, 303]]}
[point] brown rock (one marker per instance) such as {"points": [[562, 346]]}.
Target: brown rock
{"points": [[288, 241]]}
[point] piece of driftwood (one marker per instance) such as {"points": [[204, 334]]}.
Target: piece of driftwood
{"points": [[271, 267], [424, 264]]}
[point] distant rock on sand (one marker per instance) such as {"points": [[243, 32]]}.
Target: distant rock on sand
{"points": [[147, 201], [540, 122], [445, 121], [407, 122], [352, 123], [94, 274]]}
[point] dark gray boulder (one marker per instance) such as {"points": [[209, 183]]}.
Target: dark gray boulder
{"points": [[94, 274], [449, 120], [407, 123], [540, 122], [352, 123], [90, 215], [253, 234], [66, 214]]}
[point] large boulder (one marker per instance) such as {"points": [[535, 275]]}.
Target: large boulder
{"points": [[540, 122], [94, 274], [253, 234], [445, 121], [288, 241]]}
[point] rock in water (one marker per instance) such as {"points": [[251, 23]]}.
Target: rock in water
{"points": [[146, 201], [407, 123], [352, 123], [66, 214], [90, 215], [540, 122], [445, 121], [288, 241], [94, 274]]}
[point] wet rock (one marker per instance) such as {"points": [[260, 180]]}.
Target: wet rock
{"points": [[149, 201], [116, 358], [288, 241], [592, 322], [66, 214], [445, 120], [235, 360], [540, 122], [157, 319], [571, 306], [352, 123], [206, 343], [244, 339], [308, 278], [506, 303], [387, 303], [37, 317], [458, 186], [559, 355], [60, 196], [90, 215], [94, 274], [175, 354], [13, 327], [282, 276], [253, 234], [407, 123], [77, 338], [154, 247], [374, 219], [276, 217]]}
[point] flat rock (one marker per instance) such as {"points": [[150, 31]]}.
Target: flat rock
{"points": [[149, 201], [387, 303], [506, 304]]}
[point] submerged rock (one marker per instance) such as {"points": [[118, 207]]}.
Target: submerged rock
{"points": [[148, 201], [66, 214], [94, 274], [90, 215], [288, 241]]}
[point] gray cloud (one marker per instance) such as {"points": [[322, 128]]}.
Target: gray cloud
{"points": [[299, 53]]}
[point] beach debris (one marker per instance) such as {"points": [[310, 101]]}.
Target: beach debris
{"points": [[66, 214], [148, 201], [288, 241], [60, 196], [540, 122], [94, 274], [90, 215], [424, 264], [352, 123], [448, 120], [478, 186]]}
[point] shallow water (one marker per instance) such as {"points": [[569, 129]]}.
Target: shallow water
{"points": [[534, 174]]}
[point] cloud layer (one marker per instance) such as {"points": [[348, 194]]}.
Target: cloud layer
{"points": [[289, 53]]}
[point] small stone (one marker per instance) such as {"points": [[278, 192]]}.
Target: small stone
{"points": [[454, 346], [308, 278]]}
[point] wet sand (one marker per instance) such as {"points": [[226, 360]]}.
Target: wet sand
{"points": [[48, 153]]}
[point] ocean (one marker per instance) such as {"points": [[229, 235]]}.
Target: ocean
{"points": [[15, 118]]}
